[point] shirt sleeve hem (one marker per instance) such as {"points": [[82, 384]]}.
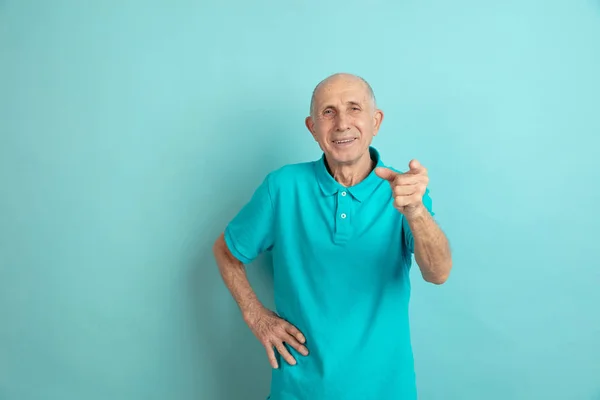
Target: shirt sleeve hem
{"points": [[230, 241]]}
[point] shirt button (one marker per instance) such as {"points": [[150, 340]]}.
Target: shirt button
{"points": [[343, 193], [343, 215]]}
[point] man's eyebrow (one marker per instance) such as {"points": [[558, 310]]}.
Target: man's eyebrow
{"points": [[326, 106], [349, 102]]}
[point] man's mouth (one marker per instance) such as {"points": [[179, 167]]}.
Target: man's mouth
{"points": [[344, 141]]}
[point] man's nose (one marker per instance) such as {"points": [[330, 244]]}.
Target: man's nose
{"points": [[342, 122]]}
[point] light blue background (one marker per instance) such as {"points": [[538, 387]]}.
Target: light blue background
{"points": [[132, 131]]}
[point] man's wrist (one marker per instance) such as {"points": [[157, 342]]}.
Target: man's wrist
{"points": [[416, 214], [251, 310]]}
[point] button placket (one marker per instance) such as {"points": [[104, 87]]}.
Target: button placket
{"points": [[344, 203]]}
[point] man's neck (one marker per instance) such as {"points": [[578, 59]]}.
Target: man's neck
{"points": [[351, 174]]}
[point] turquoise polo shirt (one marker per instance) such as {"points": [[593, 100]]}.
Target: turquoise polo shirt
{"points": [[341, 262]]}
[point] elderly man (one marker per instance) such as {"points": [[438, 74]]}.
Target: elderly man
{"points": [[342, 231]]}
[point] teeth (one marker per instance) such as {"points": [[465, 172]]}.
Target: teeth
{"points": [[344, 141]]}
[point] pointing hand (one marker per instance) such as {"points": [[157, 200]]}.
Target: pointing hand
{"points": [[407, 188]]}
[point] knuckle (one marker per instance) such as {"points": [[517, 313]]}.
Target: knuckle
{"points": [[279, 330], [288, 327]]}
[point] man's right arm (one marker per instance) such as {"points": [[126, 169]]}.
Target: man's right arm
{"points": [[268, 327], [233, 272]]}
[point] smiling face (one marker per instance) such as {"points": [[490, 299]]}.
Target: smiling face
{"points": [[344, 119]]}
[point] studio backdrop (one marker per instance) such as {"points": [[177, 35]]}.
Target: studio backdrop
{"points": [[132, 131]]}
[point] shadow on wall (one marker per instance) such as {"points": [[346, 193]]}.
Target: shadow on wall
{"points": [[237, 363], [232, 356]]}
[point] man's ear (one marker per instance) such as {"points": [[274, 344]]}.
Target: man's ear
{"points": [[377, 120], [310, 125]]}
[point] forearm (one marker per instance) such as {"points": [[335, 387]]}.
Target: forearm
{"points": [[432, 250], [233, 273]]}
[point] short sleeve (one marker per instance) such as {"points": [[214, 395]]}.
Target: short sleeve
{"points": [[408, 237], [250, 232]]}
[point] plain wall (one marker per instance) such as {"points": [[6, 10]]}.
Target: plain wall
{"points": [[132, 131]]}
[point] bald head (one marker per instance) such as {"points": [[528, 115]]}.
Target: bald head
{"points": [[344, 119], [341, 77]]}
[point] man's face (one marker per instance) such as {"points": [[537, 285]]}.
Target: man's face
{"points": [[343, 120]]}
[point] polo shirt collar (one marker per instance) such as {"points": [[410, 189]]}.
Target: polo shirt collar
{"points": [[360, 191]]}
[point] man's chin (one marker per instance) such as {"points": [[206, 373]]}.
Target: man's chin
{"points": [[344, 156]]}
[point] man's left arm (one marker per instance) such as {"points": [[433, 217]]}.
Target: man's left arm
{"points": [[431, 247], [429, 243]]}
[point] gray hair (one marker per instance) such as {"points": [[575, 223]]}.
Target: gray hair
{"points": [[369, 89]]}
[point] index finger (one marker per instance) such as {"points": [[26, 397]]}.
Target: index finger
{"points": [[292, 330]]}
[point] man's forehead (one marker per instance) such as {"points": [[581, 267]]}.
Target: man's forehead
{"points": [[346, 91], [341, 88]]}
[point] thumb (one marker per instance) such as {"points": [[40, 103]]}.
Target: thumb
{"points": [[414, 165], [385, 173]]}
